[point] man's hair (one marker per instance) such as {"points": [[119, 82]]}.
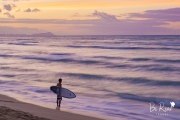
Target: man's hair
{"points": [[60, 80]]}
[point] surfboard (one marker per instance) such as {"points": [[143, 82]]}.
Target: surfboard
{"points": [[64, 92]]}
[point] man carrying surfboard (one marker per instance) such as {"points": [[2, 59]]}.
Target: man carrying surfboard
{"points": [[59, 97]]}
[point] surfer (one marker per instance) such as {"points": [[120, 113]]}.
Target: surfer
{"points": [[59, 98]]}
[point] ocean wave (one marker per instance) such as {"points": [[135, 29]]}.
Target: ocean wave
{"points": [[61, 59], [155, 100], [149, 81], [105, 47], [10, 82], [132, 80], [69, 58], [16, 91], [124, 48], [140, 59], [43, 91], [61, 54], [24, 39], [164, 69], [151, 67], [171, 44], [5, 55], [24, 43], [7, 75], [108, 57], [124, 66], [3, 82], [156, 60], [16, 69], [168, 60], [84, 76]]}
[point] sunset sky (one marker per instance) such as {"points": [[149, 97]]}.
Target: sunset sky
{"points": [[90, 17]]}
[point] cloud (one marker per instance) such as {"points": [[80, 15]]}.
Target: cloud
{"points": [[76, 15], [9, 15], [9, 7], [35, 10], [19, 10], [170, 15], [32, 10], [28, 10], [104, 16], [126, 26]]}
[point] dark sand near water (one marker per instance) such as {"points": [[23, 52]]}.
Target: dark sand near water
{"points": [[12, 109], [9, 114]]}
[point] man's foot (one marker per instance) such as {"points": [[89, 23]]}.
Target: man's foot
{"points": [[57, 108]]}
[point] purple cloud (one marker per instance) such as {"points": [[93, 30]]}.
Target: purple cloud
{"points": [[32, 10], [170, 15], [104, 16], [9, 15], [9, 7], [28, 10], [36, 10]]}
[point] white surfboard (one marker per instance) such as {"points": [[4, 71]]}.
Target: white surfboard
{"points": [[64, 92]]}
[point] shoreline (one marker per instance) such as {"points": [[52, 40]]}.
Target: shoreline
{"points": [[21, 109]]}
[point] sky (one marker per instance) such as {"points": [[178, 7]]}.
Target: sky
{"points": [[90, 17]]}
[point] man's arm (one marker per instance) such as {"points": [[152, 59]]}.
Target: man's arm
{"points": [[59, 91]]}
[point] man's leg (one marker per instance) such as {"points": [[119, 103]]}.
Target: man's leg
{"points": [[59, 103]]}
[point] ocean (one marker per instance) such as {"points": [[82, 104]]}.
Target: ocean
{"points": [[114, 77]]}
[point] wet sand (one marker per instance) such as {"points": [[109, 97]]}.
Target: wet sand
{"points": [[12, 109]]}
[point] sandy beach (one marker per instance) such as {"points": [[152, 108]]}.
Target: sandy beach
{"points": [[12, 109]]}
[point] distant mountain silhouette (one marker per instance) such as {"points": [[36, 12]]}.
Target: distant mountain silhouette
{"points": [[48, 34]]}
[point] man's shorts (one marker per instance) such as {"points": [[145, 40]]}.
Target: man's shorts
{"points": [[59, 98]]}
